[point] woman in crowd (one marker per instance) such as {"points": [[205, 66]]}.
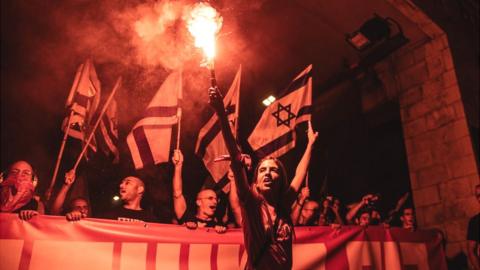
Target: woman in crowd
{"points": [[266, 204]]}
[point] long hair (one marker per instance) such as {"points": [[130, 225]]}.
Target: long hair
{"points": [[283, 210]]}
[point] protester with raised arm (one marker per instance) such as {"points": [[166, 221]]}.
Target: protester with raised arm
{"points": [[206, 202], [265, 205]]}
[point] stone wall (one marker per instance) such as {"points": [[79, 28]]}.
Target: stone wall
{"points": [[442, 166]]}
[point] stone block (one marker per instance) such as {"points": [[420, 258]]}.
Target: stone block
{"points": [[433, 87], [459, 109], [414, 75], [415, 127], [419, 53], [413, 180], [460, 148], [438, 44], [449, 95], [449, 78], [461, 167], [455, 189], [455, 210], [447, 59], [419, 160], [409, 147], [433, 215], [419, 109], [444, 39], [456, 230], [471, 206], [404, 115], [474, 180], [403, 60], [420, 216], [435, 65], [440, 153], [432, 175], [410, 96], [422, 142], [455, 130], [426, 196], [440, 117]]}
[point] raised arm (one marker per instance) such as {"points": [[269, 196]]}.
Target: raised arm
{"points": [[354, 210], [302, 166], [236, 158], [234, 201], [298, 205], [179, 203], [57, 205]]}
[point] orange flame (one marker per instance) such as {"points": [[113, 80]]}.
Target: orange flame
{"points": [[204, 23]]}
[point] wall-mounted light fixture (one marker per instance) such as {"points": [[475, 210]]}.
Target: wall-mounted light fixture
{"points": [[373, 31]]}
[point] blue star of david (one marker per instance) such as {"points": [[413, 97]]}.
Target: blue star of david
{"points": [[278, 115]]}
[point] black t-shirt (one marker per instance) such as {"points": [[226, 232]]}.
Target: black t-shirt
{"points": [[124, 214], [474, 228], [190, 216]]}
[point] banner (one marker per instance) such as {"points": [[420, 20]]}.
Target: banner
{"points": [[50, 242]]}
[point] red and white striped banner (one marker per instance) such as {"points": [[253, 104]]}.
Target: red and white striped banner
{"points": [[50, 242]]}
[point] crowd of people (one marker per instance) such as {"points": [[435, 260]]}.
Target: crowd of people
{"points": [[19, 183], [266, 208], [294, 206]]}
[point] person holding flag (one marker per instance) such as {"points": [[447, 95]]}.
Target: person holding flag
{"points": [[82, 103], [266, 204], [210, 145]]}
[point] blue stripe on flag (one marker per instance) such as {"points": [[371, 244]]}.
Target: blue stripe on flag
{"points": [[81, 100], [304, 110], [300, 82], [108, 127], [143, 147], [212, 133], [274, 145], [161, 111], [208, 138]]}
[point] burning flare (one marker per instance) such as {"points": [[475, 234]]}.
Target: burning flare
{"points": [[204, 23]]}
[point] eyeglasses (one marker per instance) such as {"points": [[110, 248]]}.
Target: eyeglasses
{"points": [[23, 173]]}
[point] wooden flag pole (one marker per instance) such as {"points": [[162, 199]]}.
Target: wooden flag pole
{"points": [[237, 107], [92, 133], [179, 116], [48, 193]]}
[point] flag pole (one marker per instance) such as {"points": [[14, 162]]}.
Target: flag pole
{"points": [[179, 116], [179, 110], [48, 193], [92, 133], [237, 107]]}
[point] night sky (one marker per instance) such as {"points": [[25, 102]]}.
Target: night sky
{"points": [[43, 43]]}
